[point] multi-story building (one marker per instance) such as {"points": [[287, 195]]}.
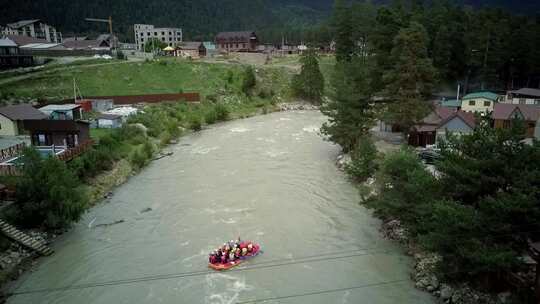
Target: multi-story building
{"points": [[33, 28], [144, 32], [526, 96], [237, 41]]}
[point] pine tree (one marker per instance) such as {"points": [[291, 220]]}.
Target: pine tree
{"points": [[411, 80], [349, 111], [309, 83], [343, 31]]}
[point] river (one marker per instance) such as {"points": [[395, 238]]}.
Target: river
{"points": [[270, 179]]}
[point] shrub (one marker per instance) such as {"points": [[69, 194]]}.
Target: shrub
{"points": [[138, 158], [249, 80], [195, 123], [165, 138], [52, 196], [210, 117], [120, 55], [363, 160], [148, 149], [222, 112]]}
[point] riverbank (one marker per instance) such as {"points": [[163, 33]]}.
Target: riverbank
{"points": [[424, 271], [16, 260]]}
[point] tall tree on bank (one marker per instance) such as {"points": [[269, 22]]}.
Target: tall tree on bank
{"points": [[411, 80], [387, 24], [309, 84], [343, 31], [349, 111]]}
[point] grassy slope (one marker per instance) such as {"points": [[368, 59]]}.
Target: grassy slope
{"points": [[165, 76]]}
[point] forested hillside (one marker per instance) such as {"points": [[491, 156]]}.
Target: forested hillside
{"points": [[201, 19]]}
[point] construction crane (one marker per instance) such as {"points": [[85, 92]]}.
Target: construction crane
{"points": [[109, 21]]}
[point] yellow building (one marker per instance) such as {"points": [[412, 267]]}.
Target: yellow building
{"points": [[12, 118], [481, 102]]}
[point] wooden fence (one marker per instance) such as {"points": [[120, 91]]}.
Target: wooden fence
{"points": [[67, 155], [12, 151], [9, 170], [146, 98], [71, 153]]}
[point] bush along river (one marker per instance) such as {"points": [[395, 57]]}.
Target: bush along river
{"points": [[270, 179]]}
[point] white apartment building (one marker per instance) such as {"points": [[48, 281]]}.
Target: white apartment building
{"points": [[144, 32], [33, 28]]}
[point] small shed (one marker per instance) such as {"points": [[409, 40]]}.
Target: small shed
{"points": [[62, 111], [109, 121]]}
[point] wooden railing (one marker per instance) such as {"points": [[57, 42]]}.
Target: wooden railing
{"points": [[67, 155], [71, 153], [9, 170], [12, 151]]}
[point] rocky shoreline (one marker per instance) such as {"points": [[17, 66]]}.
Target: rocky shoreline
{"points": [[425, 277], [297, 106], [423, 274]]}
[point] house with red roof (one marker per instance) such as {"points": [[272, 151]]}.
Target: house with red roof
{"points": [[436, 125], [504, 114]]}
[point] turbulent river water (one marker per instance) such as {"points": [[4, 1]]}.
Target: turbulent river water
{"points": [[270, 179]]}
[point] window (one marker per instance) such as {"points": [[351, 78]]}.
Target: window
{"points": [[142, 39], [237, 45], [170, 33], [487, 103], [162, 33], [147, 33], [244, 45], [170, 38], [162, 38], [178, 39], [472, 102], [178, 33], [537, 102], [522, 101]]}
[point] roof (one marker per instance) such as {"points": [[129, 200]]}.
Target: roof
{"points": [[75, 38], [503, 111], [452, 103], [109, 116], [433, 119], [7, 42], [60, 107], [527, 92], [21, 112], [189, 45], [40, 46], [55, 125], [85, 44], [123, 111], [24, 40], [467, 117], [21, 23], [244, 35], [487, 95]]}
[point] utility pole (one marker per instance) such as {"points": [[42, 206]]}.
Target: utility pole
{"points": [[485, 61]]}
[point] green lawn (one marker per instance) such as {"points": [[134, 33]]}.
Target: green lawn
{"points": [[167, 75]]}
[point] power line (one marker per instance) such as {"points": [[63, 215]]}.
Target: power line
{"points": [[261, 265], [193, 273], [313, 293]]}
